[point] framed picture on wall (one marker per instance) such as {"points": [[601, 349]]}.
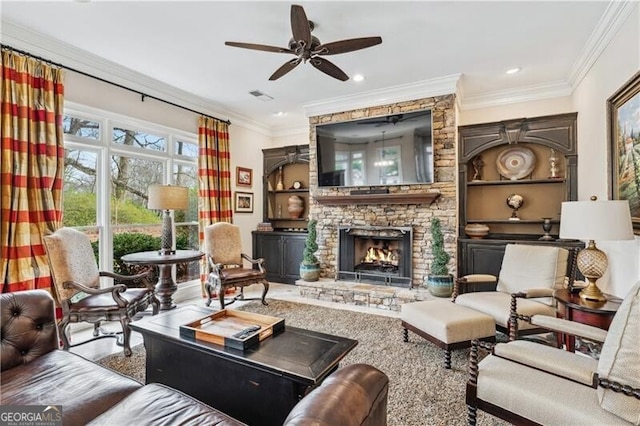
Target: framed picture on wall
{"points": [[244, 176], [243, 202], [624, 146]]}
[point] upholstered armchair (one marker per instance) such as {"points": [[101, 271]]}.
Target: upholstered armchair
{"points": [[223, 248], [528, 277], [78, 291], [530, 383]]}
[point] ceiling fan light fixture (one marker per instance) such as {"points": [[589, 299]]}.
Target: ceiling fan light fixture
{"points": [[514, 70], [308, 49], [358, 77], [280, 114]]}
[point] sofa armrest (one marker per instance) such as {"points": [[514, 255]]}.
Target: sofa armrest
{"points": [[555, 361], [28, 327], [352, 396]]}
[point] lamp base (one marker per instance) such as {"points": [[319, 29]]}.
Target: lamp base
{"points": [[592, 262], [166, 245], [592, 292]]}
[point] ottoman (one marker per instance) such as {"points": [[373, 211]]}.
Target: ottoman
{"points": [[446, 324]]}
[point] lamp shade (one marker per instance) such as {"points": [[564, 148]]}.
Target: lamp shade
{"points": [[608, 220], [167, 197]]}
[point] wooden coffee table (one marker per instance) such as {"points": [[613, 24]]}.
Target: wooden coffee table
{"points": [[259, 385]]}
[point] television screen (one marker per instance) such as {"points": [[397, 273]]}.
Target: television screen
{"points": [[391, 150]]}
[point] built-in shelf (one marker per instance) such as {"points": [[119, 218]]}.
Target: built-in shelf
{"points": [[289, 190], [512, 222], [515, 182], [404, 198]]}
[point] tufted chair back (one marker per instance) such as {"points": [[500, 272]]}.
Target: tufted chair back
{"points": [[71, 259], [223, 243], [28, 327]]}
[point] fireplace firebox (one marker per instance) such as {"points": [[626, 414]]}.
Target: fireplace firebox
{"points": [[375, 254]]}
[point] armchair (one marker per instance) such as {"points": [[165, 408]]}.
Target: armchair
{"points": [[529, 383], [527, 279], [223, 249], [77, 289]]}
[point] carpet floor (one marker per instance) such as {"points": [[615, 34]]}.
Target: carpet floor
{"points": [[421, 390]]}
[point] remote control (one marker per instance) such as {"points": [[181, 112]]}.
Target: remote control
{"points": [[243, 334]]}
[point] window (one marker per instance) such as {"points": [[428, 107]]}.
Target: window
{"points": [[352, 162], [389, 165], [110, 161]]}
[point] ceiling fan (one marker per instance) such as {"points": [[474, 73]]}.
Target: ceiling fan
{"points": [[391, 119], [308, 48]]}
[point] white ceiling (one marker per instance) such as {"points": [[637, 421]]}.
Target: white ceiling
{"points": [[179, 48]]}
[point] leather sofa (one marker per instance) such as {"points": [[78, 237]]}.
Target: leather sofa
{"points": [[35, 372]]}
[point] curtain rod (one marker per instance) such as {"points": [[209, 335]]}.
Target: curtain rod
{"points": [[143, 95]]}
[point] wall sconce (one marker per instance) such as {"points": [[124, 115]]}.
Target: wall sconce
{"points": [[167, 197]]}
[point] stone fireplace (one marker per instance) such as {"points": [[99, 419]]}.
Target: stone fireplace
{"points": [[401, 206], [375, 254]]}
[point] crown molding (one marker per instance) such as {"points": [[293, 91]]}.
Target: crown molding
{"points": [[401, 93], [524, 94], [54, 50], [610, 23]]}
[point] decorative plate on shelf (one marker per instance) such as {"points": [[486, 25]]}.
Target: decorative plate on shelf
{"points": [[516, 162]]}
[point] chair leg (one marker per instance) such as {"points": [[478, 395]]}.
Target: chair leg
{"points": [[264, 292], [126, 335], [208, 289], [221, 296], [96, 329], [447, 359], [471, 415], [155, 304], [405, 334], [64, 333]]}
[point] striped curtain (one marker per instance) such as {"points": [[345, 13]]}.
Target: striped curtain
{"points": [[31, 168], [214, 172]]}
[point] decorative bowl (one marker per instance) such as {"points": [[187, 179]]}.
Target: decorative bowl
{"points": [[476, 231]]}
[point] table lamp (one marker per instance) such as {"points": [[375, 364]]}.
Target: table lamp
{"points": [[167, 197], [592, 220]]}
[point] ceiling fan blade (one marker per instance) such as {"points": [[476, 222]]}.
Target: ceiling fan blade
{"points": [[300, 25], [288, 66], [329, 68], [344, 46], [259, 47]]}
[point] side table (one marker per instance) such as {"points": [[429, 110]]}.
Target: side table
{"points": [[598, 314], [166, 286]]}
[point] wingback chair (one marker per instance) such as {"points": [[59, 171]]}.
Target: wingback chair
{"points": [[525, 382], [528, 276], [77, 288], [223, 248]]}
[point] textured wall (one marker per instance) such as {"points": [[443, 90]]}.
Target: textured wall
{"points": [[418, 216]]}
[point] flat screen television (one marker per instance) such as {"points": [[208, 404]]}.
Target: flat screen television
{"points": [[390, 150]]}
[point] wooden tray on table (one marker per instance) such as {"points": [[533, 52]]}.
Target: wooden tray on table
{"points": [[220, 327]]}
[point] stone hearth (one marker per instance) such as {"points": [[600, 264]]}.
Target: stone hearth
{"points": [[360, 294]]}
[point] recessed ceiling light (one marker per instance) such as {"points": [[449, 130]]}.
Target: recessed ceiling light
{"points": [[358, 77], [279, 113], [513, 70]]}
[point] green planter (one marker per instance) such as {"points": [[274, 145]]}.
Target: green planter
{"points": [[310, 272], [440, 285]]}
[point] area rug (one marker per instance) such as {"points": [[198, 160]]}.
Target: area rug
{"points": [[421, 390]]}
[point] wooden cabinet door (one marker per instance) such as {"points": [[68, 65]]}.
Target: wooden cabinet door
{"points": [[293, 249]]}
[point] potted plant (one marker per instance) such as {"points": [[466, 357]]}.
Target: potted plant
{"points": [[310, 266], [439, 280]]}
